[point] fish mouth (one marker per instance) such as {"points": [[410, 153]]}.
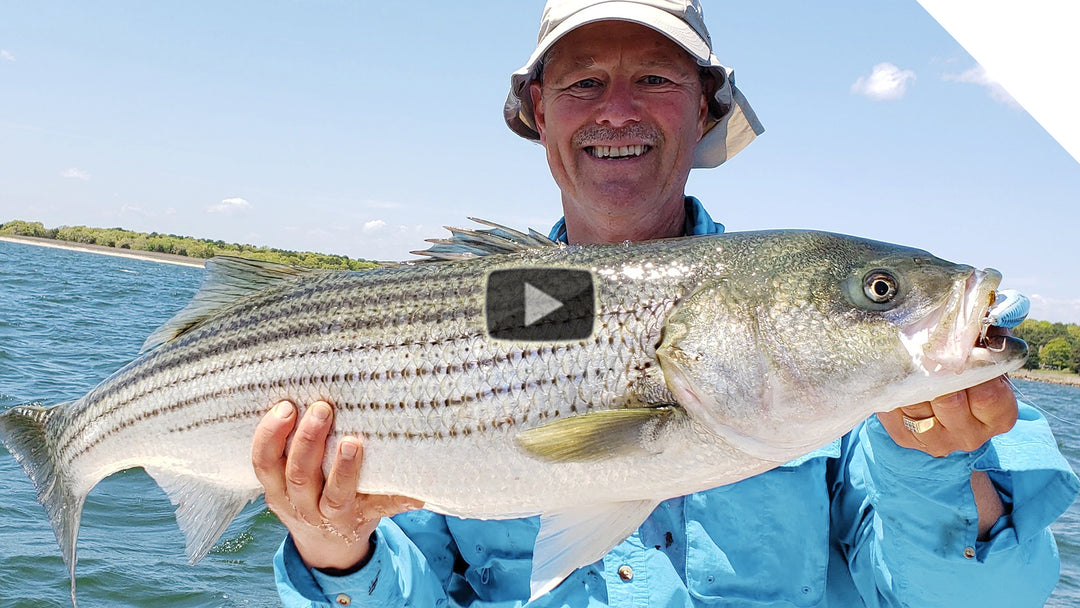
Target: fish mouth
{"points": [[994, 349], [617, 152], [956, 336]]}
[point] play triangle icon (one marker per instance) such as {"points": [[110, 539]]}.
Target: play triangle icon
{"points": [[538, 304]]}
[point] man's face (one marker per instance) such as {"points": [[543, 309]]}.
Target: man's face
{"points": [[619, 112]]}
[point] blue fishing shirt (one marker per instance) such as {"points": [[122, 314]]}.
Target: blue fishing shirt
{"points": [[860, 522]]}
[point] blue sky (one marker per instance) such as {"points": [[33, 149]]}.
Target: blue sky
{"points": [[358, 129]]}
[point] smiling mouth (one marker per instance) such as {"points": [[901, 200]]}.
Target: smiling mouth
{"points": [[617, 152]]}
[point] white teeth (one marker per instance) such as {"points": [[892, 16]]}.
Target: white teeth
{"points": [[616, 151]]}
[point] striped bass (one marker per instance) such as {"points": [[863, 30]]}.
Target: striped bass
{"points": [[710, 359]]}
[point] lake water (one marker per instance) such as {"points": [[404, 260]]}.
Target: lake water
{"points": [[67, 320]]}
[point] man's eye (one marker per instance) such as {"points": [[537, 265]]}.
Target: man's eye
{"points": [[588, 83], [655, 80]]}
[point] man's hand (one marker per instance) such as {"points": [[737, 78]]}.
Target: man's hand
{"points": [[965, 420], [330, 522]]}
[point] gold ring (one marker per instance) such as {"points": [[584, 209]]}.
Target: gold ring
{"points": [[919, 426]]}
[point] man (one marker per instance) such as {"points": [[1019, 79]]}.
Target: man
{"points": [[934, 504]]}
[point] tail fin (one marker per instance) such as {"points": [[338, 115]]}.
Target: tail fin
{"points": [[25, 430]]}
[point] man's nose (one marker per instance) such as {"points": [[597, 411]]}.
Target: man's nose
{"points": [[621, 106]]}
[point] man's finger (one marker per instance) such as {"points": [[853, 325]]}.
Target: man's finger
{"points": [[917, 411], [952, 410], [339, 493], [268, 448], [994, 403], [303, 472], [964, 431]]}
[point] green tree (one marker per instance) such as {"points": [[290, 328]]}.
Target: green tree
{"points": [[181, 245], [1036, 334], [21, 228], [76, 234], [1057, 354]]}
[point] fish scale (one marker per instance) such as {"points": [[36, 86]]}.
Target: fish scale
{"points": [[698, 372], [224, 354], [221, 360]]}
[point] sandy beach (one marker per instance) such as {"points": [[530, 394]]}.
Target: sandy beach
{"points": [[1041, 375], [152, 256]]}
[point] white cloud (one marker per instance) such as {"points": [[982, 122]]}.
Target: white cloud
{"points": [[977, 75], [6, 55], [374, 226], [74, 173], [885, 82], [230, 206], [1054, 310]]}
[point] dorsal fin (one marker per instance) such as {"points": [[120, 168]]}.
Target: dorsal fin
{"points": [[228, 280], [464, 244]]}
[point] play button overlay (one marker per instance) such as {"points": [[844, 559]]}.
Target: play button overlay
{"points": [[539, 304]]}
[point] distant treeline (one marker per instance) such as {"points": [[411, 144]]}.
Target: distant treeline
{"points": [[179, 245], [1051, 345]]}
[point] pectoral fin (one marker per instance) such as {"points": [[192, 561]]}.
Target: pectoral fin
{"points": [[574, 538], [598, 435]]}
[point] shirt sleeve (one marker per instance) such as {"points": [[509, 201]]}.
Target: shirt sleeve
{"points": [[403, 570], [908, 525]]}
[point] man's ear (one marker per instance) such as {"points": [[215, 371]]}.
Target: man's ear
{"points": [[703, 109], [708, 100], [536, 96]]}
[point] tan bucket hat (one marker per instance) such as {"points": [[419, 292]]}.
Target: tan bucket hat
{"points": [[683, 22]]}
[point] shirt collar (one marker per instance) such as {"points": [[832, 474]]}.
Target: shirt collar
{"points": [[698, 222]]}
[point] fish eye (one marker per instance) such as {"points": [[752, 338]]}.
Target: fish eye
{"points": [[880, 286]]}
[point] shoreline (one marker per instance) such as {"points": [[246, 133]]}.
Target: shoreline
{"points": [[150, 256], [1038, 375]]}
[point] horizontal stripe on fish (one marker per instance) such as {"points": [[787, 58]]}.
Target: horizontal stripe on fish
{"points": [[155, 368], [213, 341], [372, 379]]}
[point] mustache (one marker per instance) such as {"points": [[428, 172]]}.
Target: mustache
{"points": [[593, 135]]}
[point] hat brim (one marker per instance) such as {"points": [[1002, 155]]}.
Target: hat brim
{"points": [[660, 20]]}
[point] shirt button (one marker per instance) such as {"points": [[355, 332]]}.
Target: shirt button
{"points": [[626, 573], [969, 552], [343, 600]]}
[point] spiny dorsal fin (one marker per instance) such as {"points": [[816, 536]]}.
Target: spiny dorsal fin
{"points": [[228, 280], [465, 244]]}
